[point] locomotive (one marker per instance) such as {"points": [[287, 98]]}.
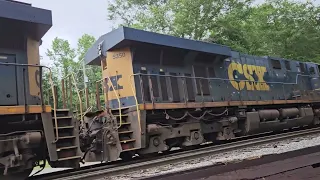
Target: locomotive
{"points": [[159, 92], [31, 131], [162, 92]]}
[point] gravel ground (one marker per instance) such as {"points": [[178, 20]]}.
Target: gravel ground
{"points": [[231, 156]]}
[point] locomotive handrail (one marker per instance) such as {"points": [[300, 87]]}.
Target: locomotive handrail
{"points": [[78, 93], [119, 108], [41, 90], [225, 80]]}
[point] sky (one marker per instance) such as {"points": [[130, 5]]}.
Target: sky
{"points": [[73, 18]]}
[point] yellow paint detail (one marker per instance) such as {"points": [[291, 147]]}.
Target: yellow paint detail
{"points": [[4, 110], [119, 68], [248, 71], [239, 85], [33, 58]]}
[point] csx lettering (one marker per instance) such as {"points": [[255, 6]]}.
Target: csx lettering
{"points": [[118, 55], [114, 83], [248, 71]]}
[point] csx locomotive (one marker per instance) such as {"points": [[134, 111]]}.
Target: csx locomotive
{"points": [[165, 91], [159, 92]]}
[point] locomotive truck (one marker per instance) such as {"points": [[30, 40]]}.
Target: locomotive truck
{"points": [[159, 92]]}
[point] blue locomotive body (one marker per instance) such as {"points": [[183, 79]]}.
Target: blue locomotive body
{"points": [[166, 91], [241, 77]]}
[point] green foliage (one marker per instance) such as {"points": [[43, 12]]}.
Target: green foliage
{"points": [[67, 60], [280, 28], [183, 18]]}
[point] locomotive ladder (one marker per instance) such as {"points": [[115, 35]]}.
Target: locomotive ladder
{"points": [[63, 135], [67, 143], [126, 132]]}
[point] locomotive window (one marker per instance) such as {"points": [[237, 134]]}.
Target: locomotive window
{"points": [[287, 63], [276, 64], [302, 68]]}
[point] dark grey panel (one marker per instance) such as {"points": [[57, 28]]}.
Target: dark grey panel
{"points": [[22, 78], [8, 81], [280, 83], [23, 18]]}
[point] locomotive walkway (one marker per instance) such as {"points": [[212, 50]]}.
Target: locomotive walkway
{"points": [[109, 170]]}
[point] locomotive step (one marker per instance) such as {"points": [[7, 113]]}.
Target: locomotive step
{"points": [[66, 148], [62, 110], [125, 123], [122, 115], [67, 137], [127, 141], [69, 158], [125, 132], [65, 127], [63, 117], [131, 149]]}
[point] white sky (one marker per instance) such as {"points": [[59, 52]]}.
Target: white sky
{"points": [[73, 18]]}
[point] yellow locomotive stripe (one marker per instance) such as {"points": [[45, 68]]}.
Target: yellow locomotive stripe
{"points": [[6, 110], [33, 58], [148, 106]]}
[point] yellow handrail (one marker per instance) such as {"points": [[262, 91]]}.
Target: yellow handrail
{"points": [[78, 93], [54, 106], [120, 113]]}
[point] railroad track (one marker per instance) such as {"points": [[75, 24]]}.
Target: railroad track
{"points": [[118, 168]]}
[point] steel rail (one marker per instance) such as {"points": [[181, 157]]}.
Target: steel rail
{"points": [[118, 169]]}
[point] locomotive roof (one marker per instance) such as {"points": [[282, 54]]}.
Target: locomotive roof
{"points": [[18, 17], [125, 36]]}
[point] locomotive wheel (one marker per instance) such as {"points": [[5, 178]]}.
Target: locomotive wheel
{"points": [[17, 176]]}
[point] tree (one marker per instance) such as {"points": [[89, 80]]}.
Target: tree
{"points": [[276, 27], [93, 73], [69, 60], [183, 18]]}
